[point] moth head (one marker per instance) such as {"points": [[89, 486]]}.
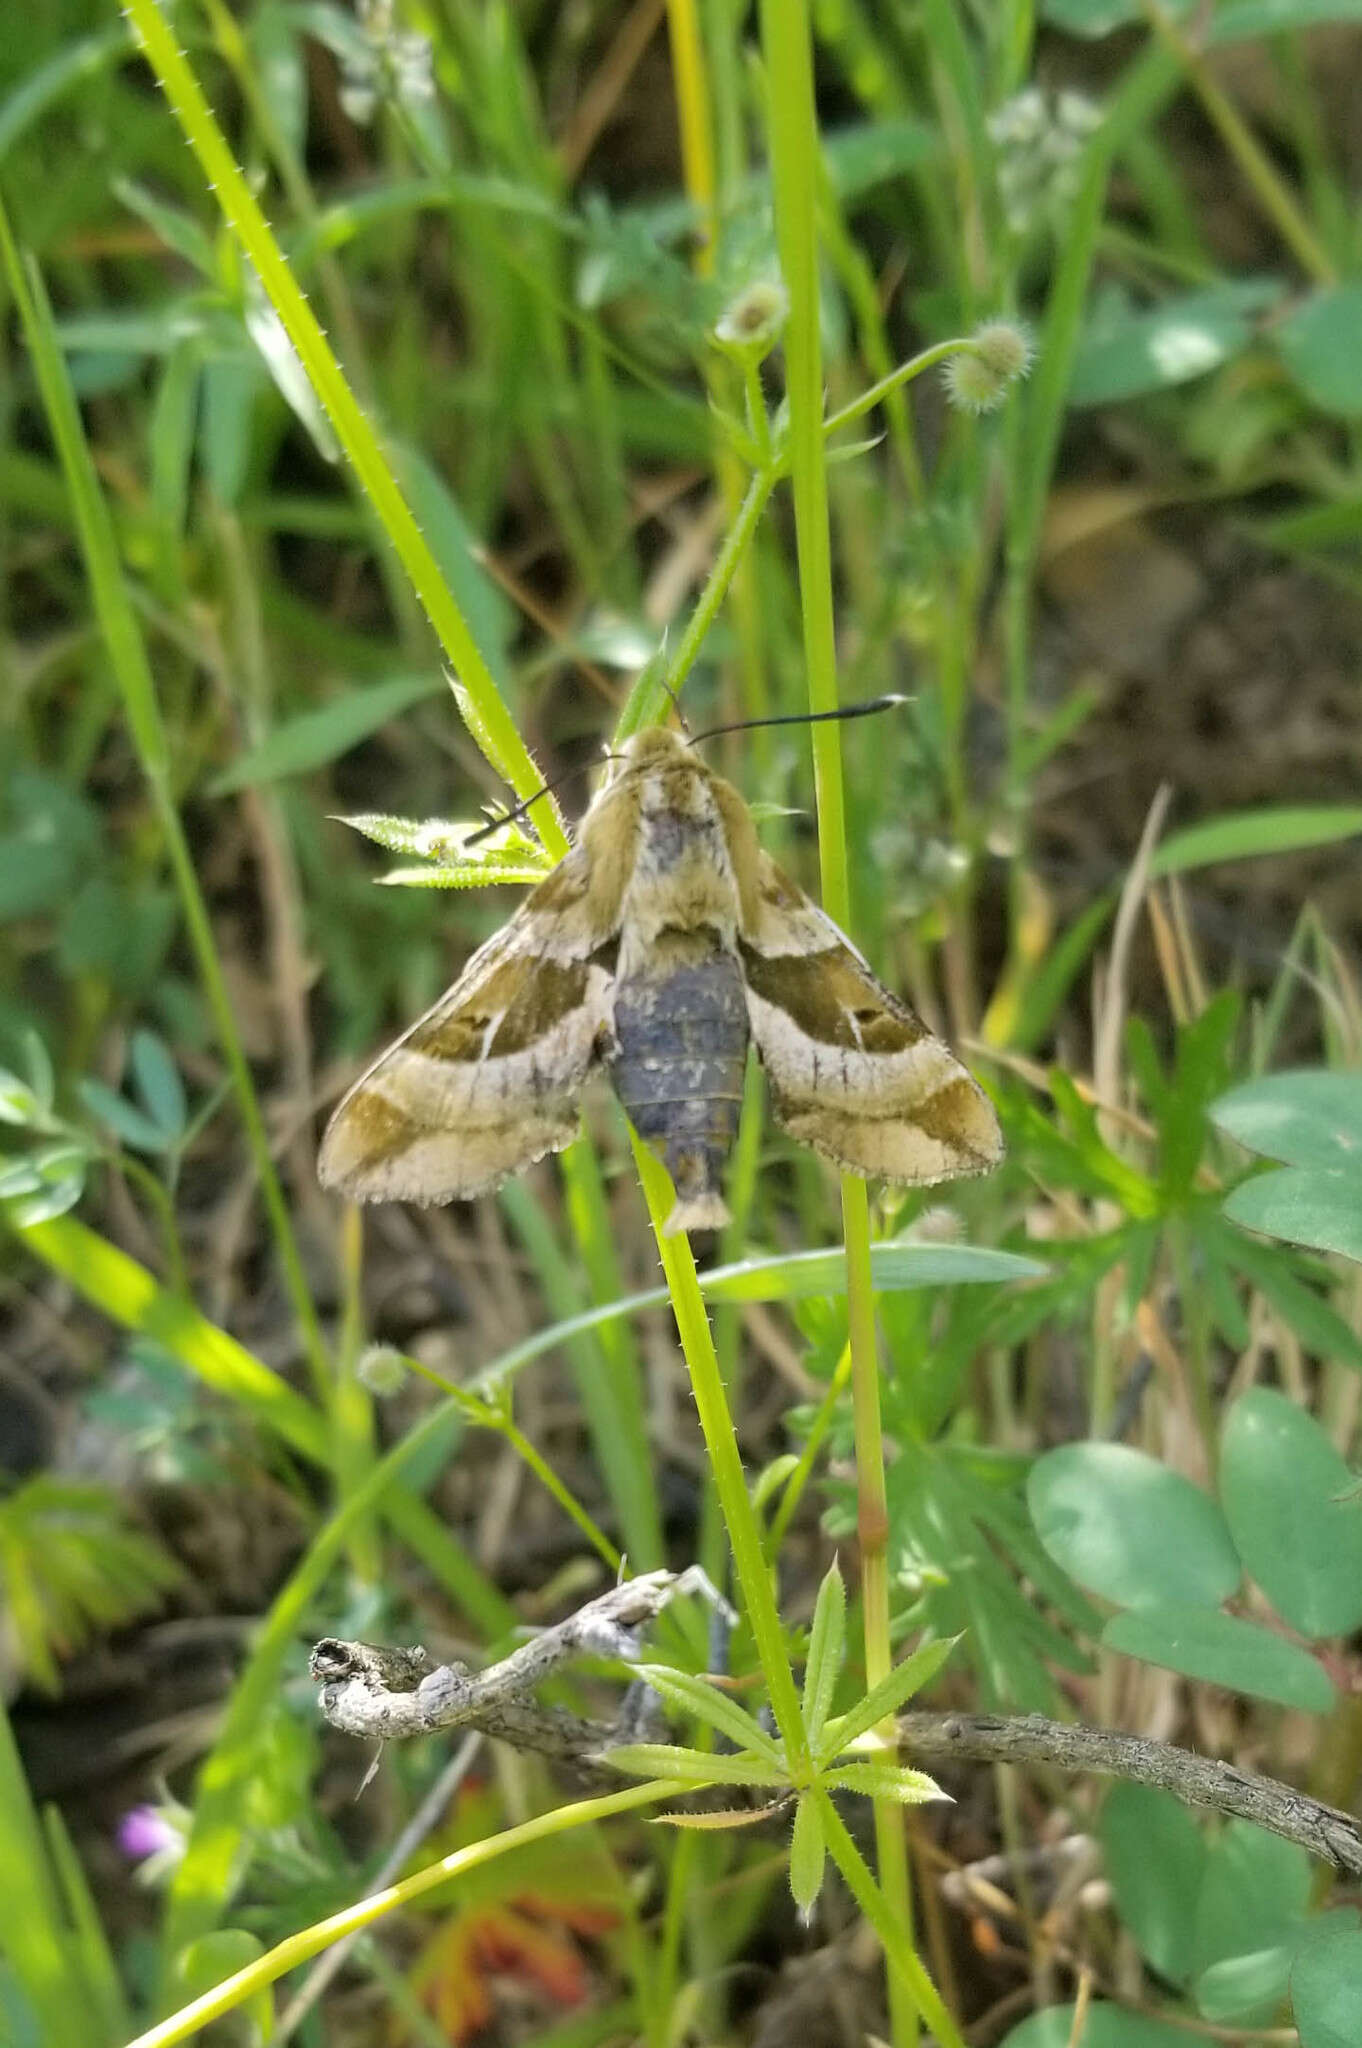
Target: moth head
{"points": [[657, 746]]}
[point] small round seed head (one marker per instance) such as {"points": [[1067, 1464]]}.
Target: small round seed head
{"points": [[381, 1369], [996, 355], [753, 322]]}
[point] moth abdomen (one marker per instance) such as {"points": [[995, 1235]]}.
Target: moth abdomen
{"points": [[680, 1049]]}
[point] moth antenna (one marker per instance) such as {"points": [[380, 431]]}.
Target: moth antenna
{"points": [[889, 702], [520, 810], [513, 816]]}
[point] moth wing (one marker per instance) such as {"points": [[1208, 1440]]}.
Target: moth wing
{"points": [[489, 1079], [853, 1071]]}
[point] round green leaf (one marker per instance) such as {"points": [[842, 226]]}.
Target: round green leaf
{"points": [[1254, 1894], [1155, 1859], [1326, 1985], [1318, 345], [1124, 353], [1222, 1649], [1294, 1511], [1305, 1206], [1125, 1526], [1245, 1988], [1305, 1117], [1107, 2026]]}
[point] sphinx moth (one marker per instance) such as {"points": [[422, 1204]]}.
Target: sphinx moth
{"points": [[659, 947]]}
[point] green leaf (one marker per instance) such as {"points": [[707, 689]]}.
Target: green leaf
{"points": [[290, 379], [72, 62], [884, 1781], [1294, 1511], [18, 1103], [481, 874], [456, 548], [1303, 1117], [711, 1704], [1245, 1987], [1233, 20], [893, 1266], [311, 739], [1303, 1206], [1123, 354], [1126, 1527], [1255, 1891], [693, 1766], [808, 1854], [158, 1082], [790, 1277], [180, 232], [884, 1699], [128, 1123], [59, 1172], [1223, 1650], [1326, 1985], [1317, 343], [1318, 1326], [827, 1642], [1243, 835], [1104, 2026], [230, 385], [1155, 1860]]}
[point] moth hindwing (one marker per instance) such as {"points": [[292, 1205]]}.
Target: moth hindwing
{"points": [[661, 945]]}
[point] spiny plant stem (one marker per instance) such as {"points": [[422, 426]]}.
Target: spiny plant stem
{"points": [[716, 1421], [507, 750], [720, 577], [787, 46]]}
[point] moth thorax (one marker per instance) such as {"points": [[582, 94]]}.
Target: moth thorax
{"points": [[680, 1049]]}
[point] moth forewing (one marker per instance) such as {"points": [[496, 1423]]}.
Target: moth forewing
{"points": [[489, 1079], [854, 1072]]}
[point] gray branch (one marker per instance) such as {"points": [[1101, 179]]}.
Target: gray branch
{"points": [[1325, 1831], [393, 1694], [390, 1695]]}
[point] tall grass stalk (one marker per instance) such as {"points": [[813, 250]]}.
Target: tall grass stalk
{"points": [[716, 1421], [787, 45], [132, 668], [299, 1948], [505, 747]]}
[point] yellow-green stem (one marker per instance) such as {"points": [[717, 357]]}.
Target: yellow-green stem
{"points": [[693, 117], [720, 576], [905, 1968], [787, 46], [300, 1948], [721, 1441]]}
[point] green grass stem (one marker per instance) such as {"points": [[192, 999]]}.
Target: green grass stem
{"points": [[132, 668], [787, 46], [299, 1948], [354, 431]]}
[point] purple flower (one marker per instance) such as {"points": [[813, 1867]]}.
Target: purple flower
{"points": [[148, 1831]]}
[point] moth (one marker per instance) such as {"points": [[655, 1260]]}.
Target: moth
{"points": [[663, 944]]}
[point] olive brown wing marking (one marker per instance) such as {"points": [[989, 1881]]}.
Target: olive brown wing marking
{"points": [[853, 1072], [489, 1079]]}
